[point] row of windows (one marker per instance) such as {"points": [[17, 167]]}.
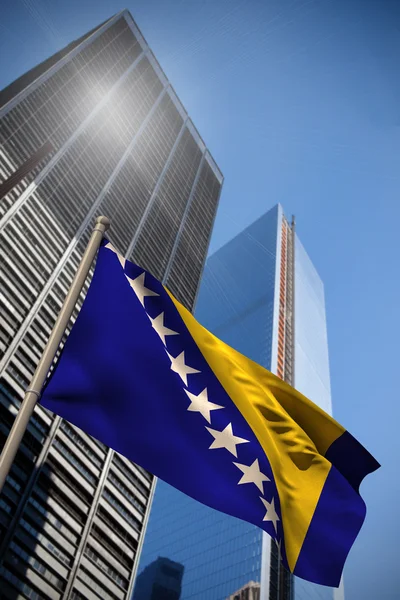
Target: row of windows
{"points": [[38, 329], [30, 446], [32, 276], [129, 475], [10, 495], [26, 589], [24, 227], [104, 566], [39, 424], [124, 490], [95, 585], [74, 461], [10, 317], [18, 376], [5, 506], [46, 542], [51, 518], [73, 435], [7, 201], [66, 506], [117, 530], [111, 545], [145, 473], [50, 237], [122, 510], [36, 564], [63, 505], [19, 236], [5, 339], [67, 477], [11, 481], [12, 293], [75, 595]]}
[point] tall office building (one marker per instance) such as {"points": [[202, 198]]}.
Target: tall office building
{"points": [[113, 139], [161, 580], [261, 294]]}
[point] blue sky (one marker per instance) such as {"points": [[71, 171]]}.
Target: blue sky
{"points": [[299, 102]]}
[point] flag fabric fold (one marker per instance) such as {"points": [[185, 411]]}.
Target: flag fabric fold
{"points": [[140, 374]]}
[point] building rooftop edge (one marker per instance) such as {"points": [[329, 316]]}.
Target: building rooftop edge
{"points": [[126, 12]]}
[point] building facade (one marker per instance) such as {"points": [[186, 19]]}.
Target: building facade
{"points": [[119, 143], [261, 294], [250, 591]]}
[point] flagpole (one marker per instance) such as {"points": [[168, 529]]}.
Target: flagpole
{"points": [[33, 392]]}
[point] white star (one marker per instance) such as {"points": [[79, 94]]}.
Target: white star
{"points": [[226, 439], [140, 289], [270, 515], [201, 404], [252, 474], [159, 327], [178, 365], [121, 259]]}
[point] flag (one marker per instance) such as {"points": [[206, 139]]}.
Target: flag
{"points": [[140, 374]]}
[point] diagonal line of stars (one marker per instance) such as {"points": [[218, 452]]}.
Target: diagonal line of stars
{"points": [[226, 438]]}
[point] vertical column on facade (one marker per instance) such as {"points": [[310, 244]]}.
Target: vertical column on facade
{"points": [[183, 221], [155, 191], [285, 350], [293, 315], [275, 569], [289, 313], [86, 530], [141, 539], [282, 304]]}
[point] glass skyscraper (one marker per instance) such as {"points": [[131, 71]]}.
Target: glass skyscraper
{"points": [[94, 129], [261, 294]]}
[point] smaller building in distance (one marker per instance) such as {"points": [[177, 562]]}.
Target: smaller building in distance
{"points": [[250, 591], [161, 580]]}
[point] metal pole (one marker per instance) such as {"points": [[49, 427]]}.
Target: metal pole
{"points": [[33, 392]]}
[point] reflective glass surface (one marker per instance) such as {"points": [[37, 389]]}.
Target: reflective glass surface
{"points": [[311, 372], [221, 554], [311, 343]]}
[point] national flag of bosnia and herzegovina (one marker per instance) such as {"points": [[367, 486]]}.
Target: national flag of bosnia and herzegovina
{"points": [[140, 374]]}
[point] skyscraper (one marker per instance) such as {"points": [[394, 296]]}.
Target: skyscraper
{"points": [[261, 294], [161, 580], [118, 142]]}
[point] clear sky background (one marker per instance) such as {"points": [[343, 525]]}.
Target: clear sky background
{"points": [[299, 102]]}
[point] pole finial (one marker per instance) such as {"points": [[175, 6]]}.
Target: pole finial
{"points": [[105, 221]]}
